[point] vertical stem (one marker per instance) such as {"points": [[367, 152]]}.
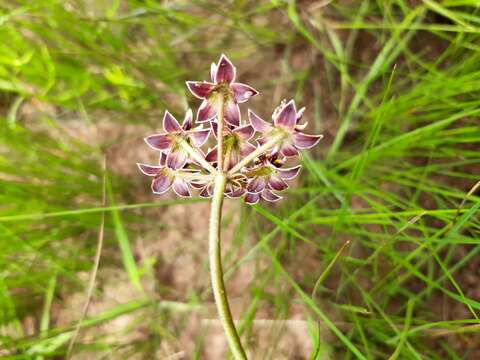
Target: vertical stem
{"points": [[220, 122], [214, 247], [216, 272]]}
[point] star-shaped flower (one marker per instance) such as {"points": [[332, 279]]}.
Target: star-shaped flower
{"points": [[165, 178], [223, 85], [170, 141], [285, 122]]}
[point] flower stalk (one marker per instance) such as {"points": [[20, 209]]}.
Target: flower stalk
{"points": [[216, 271]]}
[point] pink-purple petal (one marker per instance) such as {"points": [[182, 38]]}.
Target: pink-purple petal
{"points": [[232, 113], [205, 193], [149, 170], [258, 123], [232, 159], [287, 117], [256, 185], [200, 89], [181, 188], [188, 120], [305, 141], [252, 199], [289, 173], [276, 183], [242, 92], [162, 159], [287, 149], [211, 156], [245, 132], [161, 184], [225, 71], [246, 148], [160, 142], [199, 137], [177, 158], [235, 193], [206, 111], [270, 196], [170, 124]]}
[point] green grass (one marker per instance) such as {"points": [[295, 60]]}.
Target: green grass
{"points": [[393, 86]]}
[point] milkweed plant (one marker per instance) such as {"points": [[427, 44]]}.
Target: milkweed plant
{"points": [[247, 160]]}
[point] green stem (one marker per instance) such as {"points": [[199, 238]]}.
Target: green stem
{"points": [[197, 156], [216, 272]]}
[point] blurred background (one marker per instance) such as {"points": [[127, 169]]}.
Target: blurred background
{"points": [[373, 253]]}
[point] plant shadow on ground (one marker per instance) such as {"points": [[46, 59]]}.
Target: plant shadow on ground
{"points": [[372, 255]]}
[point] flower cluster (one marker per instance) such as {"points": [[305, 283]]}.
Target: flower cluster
{"points": [[251, 153]]}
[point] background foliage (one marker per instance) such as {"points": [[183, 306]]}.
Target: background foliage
{"points": [[373, 254]]}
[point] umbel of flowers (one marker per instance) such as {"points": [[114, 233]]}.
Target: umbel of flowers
{"points": [[220, 155], [253, 152]]}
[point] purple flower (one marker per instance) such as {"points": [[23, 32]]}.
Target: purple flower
{"points": [[165, 178], [235, 144], [285, 123], [170, 142], [267, 176], [223, 85]]}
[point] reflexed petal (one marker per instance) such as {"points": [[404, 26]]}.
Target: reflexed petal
{"points": [[198, 185], [233, 192], [180, 187], [287, 117], [159, 141], [213, 71], [300, 113], [214, 126], [161, 184], [258, 123], [170, 124], [246, 148], [206, 111], [199, 137], [205, 193], [256, 185], [276, 183], [232, 113], [290, 173], [245, 132], [200, 89], [305, 141], [149, 170], [233, 158], [252, 198], [177, 158], [270, 196], [225, 71], [211, 155], [242, 92], [288, 149], [188, 120], [163, 159]]}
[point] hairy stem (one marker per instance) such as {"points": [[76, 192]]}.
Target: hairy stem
{"points": [[197, 156], [259, 151], [221, 120], [216, 272], [214, 246]]}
